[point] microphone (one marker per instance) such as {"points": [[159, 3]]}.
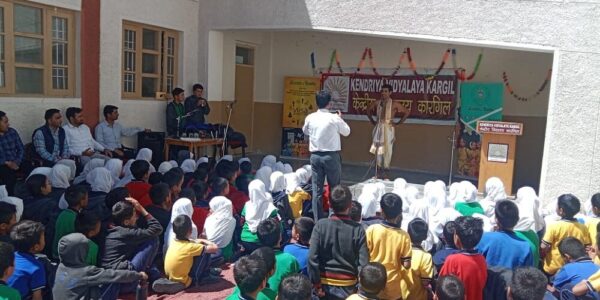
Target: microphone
{"points": [[230, 105]]}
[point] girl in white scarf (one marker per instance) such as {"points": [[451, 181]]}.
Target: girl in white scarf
{"points": [[529, 210], [201, 160], [127, 177], [277, 182], [303, 176], [368, 199], [287, 168], [188, 166], [92, 164], [268, 161], [115, 166], [296, 195], [146, 154], [164, 167], [494, 192], [420, 209], [59, 178], [41, 170], [220, 224], [278, 166], [456, 194], [399, 187], [183, 206], [100, 180], [264, 174], [17, 202], [259, 207]]}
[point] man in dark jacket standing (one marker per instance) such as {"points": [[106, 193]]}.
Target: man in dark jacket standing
{"points": [[197, 107], [175, 112]]}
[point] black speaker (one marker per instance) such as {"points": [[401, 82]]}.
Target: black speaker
{"points": [[154, 141]]}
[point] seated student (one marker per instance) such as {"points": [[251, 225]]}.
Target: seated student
{"points": [[242, 181], [449, 288], [502, 247], [220, 226], [127, 247], [567, 206], [113, 197], [470, 206], [7, 267], [139, 188], [76, 279], [449, 248], [189, 167], [369, 200], [468, 265], [88, 224], [8, 218], [389, 245], [301, 233], [527, 283], [259, 208], [29, 276], [296, 195], [229, 171], [421, 264], [592, 222], [174, 179], [578, 267], [282, 202], [269, 234], [155, 178], [188, 260], [295, 287], [250, 275], [355, 213], [304, 174], [332, 269], [372, 279], [77, 199], [202, 197], [161, 204], [101, 183], [267, 255], [38, 205]]}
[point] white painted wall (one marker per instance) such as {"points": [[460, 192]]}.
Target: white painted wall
{"points": [[179, 15], [571, 160]]}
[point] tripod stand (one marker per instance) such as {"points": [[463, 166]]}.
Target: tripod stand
{"points": [[230, 107]]}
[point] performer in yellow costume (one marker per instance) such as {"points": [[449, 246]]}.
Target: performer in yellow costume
{"points": [[383, 134]]}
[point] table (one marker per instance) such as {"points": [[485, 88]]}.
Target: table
{"points": [[193, 146]]}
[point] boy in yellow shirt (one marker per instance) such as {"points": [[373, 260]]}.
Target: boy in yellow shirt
{"points": [[372, 279], [418, 279], [389, 245], [592, 222], [567, 206], [187, 260]]}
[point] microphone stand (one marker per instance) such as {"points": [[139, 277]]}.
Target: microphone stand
{"points": [[230, 107]]}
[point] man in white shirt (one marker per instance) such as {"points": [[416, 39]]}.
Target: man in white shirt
{"points": [[109, 132], [80, 140], [324, 130]]}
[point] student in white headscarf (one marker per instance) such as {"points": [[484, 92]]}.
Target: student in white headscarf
{"points": [[278, 167], [287, 168], [115, 167], [530, 220], [296, 195], [17, 202], [369, 200], [101, 183], [92, 164], [146, 154], [281, 199], [188, 166], [175, 164], [456, 194], [164, 167], [183, 206], [400, 188], [59, 177], [268, 161], [494, 192], [220, 225], [420, 209], [305, 174], [264, 174], [41, 170], [227, 157], [469, 205], [260, 207], [72, 166], [277, 182]]}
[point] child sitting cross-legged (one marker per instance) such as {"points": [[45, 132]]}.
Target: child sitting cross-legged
{"points": [[372, 281], [301, 233], [76, 279], [578, 267]]}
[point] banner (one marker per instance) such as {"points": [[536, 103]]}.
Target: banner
{"points": [[298, 100], [428, 98], [479, 101]]}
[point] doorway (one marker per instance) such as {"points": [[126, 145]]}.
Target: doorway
{"points": [[243, 112]]}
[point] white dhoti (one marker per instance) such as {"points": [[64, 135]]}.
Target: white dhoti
{"points": [[383, 136]]}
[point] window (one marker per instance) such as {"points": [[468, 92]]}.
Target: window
{"points": [[37, 46], [150, 56]]}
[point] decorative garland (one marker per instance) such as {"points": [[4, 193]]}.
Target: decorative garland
{"points": [[312, 63], [372, 62], [337, 62], [333, 54], [402, 56], [413, 67], [362, 60], [462, 76], [516, 96]]}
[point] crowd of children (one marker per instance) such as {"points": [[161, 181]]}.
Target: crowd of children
{"points": [[115, 227]]}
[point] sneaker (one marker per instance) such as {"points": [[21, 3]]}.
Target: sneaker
{"points": [[215, 271], [165, 286]]}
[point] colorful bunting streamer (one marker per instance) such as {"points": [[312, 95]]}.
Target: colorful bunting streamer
{"points": [[413, 66], [516, 96], [460, 72], [402, 56]]}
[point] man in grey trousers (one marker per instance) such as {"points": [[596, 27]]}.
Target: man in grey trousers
{"points": [[324, 129]]}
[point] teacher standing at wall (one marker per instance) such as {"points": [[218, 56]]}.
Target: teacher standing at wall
{"points": [[324, 129]]}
